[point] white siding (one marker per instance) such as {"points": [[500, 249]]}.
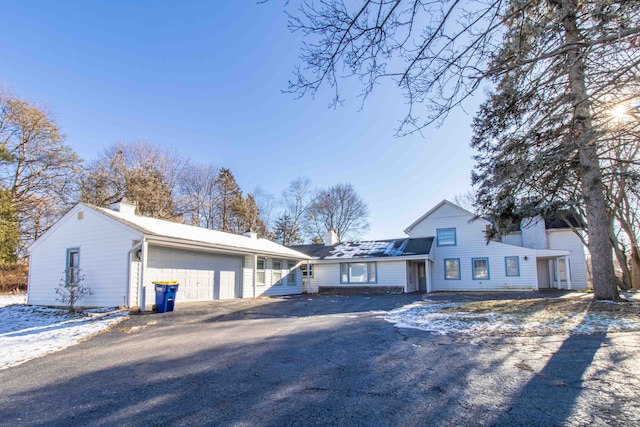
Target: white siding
{"points": [[563, 239], [103, 245], [268, 289], [389, 273], [247, 277], [513, 239], [272, 289], [471, 243], [533, 233], [446, 216]]}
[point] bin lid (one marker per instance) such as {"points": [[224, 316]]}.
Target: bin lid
{"points": [[166, 283]]}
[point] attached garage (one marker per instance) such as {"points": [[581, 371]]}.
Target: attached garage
{"points": [[119, 255], [202, 276]]}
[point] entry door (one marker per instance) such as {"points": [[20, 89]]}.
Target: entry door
{"points": [[422, 277]]}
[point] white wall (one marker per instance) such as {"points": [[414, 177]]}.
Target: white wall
{"points": [[512, 239], [269, 288], [389, 273], [533, 233], [103, 245], [471, 243]]}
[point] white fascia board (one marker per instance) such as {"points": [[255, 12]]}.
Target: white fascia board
{"points": [[551, 253], [71, 213], [435, 208], [203, 247]]}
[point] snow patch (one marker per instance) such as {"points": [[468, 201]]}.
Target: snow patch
{"points": [[450, 318], [27, 332]]}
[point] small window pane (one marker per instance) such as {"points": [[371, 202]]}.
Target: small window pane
{"points": [[260, 264], [452, 269], [291, 277], [358, 273], [512, 266], [480, 269], [446, 236], [73, 265], [303, 267], [276, 272]]}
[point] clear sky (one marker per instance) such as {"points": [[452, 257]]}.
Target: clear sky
{"points": [[205, 78]]}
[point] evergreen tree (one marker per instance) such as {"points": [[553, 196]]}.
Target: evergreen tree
{"points": [[9, 231], [286, 231], [230, 203]]}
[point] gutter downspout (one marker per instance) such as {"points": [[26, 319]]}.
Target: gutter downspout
{"points": [[143, 269], [128, 295], [255, 273]]}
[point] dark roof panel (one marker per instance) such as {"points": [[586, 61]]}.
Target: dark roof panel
{"points": [[368, 249]]}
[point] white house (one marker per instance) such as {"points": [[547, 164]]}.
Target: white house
{"points": [[453, 255], [119, 254], [388, 266]]}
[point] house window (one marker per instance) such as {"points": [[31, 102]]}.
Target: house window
{"points": [[303, 267], [446, 236], [260, 271], [358, 272], [291, 277], [73, 266], [276, 272], [511, 266], [452, 269], [480, 268]]}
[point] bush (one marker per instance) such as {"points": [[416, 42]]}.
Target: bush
{"points": [[70, 290], [13, 279]]}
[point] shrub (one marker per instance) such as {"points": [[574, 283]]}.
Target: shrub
{"points": [[70, 290], [13, 279]]}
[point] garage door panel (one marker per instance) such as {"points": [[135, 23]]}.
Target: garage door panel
{"points": [[202, 276]]}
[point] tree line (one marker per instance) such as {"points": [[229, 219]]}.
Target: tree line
{"points": [[41, 177]]}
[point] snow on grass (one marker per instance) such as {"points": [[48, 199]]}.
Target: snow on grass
{"points": [[453, 318], [27, 332]]}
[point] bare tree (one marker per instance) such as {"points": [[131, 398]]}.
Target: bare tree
{"points": [[340, 209], [267, 205], [199, 195], [37, 168], [439, 52], [140, 171], [293, 224]]}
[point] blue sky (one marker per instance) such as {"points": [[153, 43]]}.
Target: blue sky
{"points": [[205, 78]]}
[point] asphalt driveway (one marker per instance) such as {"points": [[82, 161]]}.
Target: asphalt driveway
{"points": [[321, 360]]}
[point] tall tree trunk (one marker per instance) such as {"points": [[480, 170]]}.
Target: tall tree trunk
{"points": [[598, 221], [635, 267]]}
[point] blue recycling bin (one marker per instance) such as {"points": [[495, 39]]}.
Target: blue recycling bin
{"points": [[165, 295]]}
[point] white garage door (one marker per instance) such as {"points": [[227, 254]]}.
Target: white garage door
{"points": [[202, 276]]}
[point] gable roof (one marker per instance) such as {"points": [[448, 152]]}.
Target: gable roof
{"points": [[192, 234], [369, 249], [435, 208]]}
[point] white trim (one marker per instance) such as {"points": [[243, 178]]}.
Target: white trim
{"points": [[435, 208], [143, 270]]}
